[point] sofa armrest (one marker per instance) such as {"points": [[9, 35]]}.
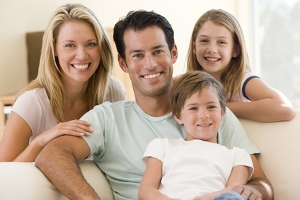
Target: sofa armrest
{"points": [[24, 181]]}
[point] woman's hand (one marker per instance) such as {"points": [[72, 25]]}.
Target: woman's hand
{"points": [[75, 127]]}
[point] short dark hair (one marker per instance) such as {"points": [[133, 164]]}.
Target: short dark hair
{"points": [[140, 20], [188, 84]]}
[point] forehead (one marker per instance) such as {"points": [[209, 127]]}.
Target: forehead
{"points": [[75, 28], [207, 93], [210, 28], [144, 40]]}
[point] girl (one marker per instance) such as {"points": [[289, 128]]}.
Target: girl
{"points": [[217, 46]]}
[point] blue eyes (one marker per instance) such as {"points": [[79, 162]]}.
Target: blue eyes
{"points": [[92, 44]]}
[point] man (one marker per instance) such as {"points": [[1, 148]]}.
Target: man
{"points": [[122, 130]]}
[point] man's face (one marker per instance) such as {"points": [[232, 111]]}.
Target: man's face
{"points": [[149, 61]]}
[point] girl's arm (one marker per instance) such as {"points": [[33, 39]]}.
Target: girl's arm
{"points": [[151, 180], [268, 104], [15, 146]]}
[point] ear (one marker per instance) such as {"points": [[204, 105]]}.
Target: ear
{"points": [[194, 47], [236, 51], [122, 64], [178, 120], [222, 115], [174, 53]]}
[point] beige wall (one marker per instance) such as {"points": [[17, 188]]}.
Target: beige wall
{"points": [[19, 17]]}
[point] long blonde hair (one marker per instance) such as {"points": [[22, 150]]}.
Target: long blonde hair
{"points": [[232, 77], [49, 72]]}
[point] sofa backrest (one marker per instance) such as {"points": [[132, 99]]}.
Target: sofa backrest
{"points": [[279, 144]]}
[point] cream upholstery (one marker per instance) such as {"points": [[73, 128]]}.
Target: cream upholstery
{"points": [[280, 160]]}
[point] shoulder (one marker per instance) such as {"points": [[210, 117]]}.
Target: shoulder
{"points": [[248, 76], [116, 90], [37, 93]]}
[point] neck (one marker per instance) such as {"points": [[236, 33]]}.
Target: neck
{"points": [[75, 91], [155, 106]]}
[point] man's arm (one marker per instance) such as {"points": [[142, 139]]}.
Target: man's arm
{"points": [[59, 162], [258, 187]]}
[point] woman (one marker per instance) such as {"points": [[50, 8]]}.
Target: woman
{"points": [[74, 76]]}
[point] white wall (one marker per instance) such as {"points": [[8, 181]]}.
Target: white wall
{"points": [[18, 17]]}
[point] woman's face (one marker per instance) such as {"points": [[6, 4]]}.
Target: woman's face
{"points": [[77, 51], [214, 48]]}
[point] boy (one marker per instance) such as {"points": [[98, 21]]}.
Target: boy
{"points": [[197, 166]]}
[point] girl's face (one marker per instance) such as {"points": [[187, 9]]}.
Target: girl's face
{"points": [[77, 51], [214, 48], [201, 115]]}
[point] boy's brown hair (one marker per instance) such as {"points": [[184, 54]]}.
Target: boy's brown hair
{"points": [[191, 82]]}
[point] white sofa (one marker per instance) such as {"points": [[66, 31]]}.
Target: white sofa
{"points": [[280, 159]]}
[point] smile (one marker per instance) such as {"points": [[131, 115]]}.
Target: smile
{"points": [[152, 76], [204, 125], [212, 59], [84, 66]]}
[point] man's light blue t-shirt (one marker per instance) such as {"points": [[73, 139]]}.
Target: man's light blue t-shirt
{"points": [[122, 131]]}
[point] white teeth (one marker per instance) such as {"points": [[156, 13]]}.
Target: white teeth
{"points": [[152, 75], [212, 59], [81, 66], [203, 125]]}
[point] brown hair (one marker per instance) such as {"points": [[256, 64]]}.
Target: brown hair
{"points": [[189, 83]]}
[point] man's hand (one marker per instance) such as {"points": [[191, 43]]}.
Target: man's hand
{"points": [[248, 192]]}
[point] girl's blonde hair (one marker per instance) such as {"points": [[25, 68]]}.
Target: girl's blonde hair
{"points": [[49, 72], [232, 77]]}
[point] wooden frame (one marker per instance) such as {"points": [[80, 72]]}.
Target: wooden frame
{"points": [[4, 100]]}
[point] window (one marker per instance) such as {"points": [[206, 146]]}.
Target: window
{"points": [[277, 45]]}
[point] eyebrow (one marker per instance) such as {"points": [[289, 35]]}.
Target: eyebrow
{"points": [[153, 48], [210, 102], [90, 40], [217, 37]]}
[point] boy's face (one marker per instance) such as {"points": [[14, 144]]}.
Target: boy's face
{"points": [[201, 115], [148, 62]]}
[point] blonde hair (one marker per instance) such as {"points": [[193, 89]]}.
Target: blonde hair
{"points": [[232, 76], [49, 72]]}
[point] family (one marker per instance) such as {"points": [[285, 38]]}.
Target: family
{"points": [[179, 139]]}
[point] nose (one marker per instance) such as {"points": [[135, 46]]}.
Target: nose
{"points": [[81, 53], [212, 49], [203, 114], [150, 62]]}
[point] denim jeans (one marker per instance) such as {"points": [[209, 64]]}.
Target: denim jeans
{"points": [[230, 196]]}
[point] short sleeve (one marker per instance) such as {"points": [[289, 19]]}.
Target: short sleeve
{"points": [[156, 149], [34, 107], [116, 91], [241, 157]]}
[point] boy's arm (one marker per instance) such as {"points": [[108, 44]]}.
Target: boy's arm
{"points": [[59, 162], [151, 180], [258, 187], [238, 176]]}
